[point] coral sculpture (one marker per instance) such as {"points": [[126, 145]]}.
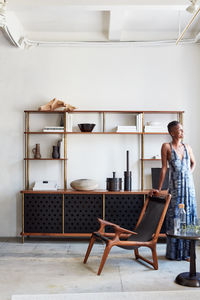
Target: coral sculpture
{"points": [[54, 104]]}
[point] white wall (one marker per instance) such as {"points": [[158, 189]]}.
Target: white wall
{"points": [[146, 78]]}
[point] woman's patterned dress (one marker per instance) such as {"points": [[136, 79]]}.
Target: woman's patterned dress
{"points": [[181, 187]]}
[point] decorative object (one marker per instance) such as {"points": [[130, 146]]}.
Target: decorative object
{"points": [[56, 153], [69, 122], [155, 175], [60, 148], [54, 104], [36, 151], [62, 121], [84, 184], [45, 185], [127, 175], [114, 184], [86, 127], [157, 156]]}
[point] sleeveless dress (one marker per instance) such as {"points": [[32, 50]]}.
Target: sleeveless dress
{"points": [[181, 187]]}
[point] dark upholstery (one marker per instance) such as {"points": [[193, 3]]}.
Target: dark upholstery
{"points": [[149, 222]]}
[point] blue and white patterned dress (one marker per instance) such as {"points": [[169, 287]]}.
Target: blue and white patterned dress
{"points": [[181, 187]]}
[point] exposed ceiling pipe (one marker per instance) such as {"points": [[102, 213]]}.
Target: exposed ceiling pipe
{"points": [[30, 43]]}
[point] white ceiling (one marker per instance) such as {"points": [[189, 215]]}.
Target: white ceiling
{"points": [[102, 20]]}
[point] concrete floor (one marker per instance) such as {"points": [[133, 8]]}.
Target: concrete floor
{"points": [[47, 266]]}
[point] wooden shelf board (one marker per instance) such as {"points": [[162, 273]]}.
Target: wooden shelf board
{"points": [[56, 234], [144, 192], [41, 132], [110, 132], [155, 133], [150, 159], [106, 111], [45, 158]]}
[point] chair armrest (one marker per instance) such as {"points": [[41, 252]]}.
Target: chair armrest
{"points": [[104, 223]]}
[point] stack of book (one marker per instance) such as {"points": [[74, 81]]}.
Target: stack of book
{"points": [[139, 122], [53, 129], [126, 129]]}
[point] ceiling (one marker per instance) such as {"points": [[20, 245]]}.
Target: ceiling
{"points": [[43, 22]]}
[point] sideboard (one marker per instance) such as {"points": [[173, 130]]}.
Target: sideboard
{"points": [[69, 213]]}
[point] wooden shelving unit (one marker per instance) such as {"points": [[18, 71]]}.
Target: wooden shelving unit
{"points": [[103, 113], [45, 158], [49, 213]]}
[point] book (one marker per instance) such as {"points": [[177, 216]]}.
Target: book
{"points": [[126, 129]]}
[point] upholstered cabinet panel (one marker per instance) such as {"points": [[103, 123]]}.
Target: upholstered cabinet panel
{"points": [[81, 213], [123, 210], [78, 213], [43, 213]]}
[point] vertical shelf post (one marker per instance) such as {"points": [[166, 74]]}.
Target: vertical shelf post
{"points": [[103, 121], [104, 205], [23, 218], [27, 150], [142, 154], [65, 153], [63, 213]]}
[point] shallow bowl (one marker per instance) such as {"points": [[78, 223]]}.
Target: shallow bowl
{"points": [[86, 127]]}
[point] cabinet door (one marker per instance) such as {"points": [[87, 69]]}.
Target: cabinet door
{"points": [[43, 213], [123, 210], [81, 212]]}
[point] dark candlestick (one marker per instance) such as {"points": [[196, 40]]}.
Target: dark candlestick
{"points": [[127, 175], [127, 161]]}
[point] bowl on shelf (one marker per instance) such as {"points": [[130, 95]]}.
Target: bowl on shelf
{"points": [[86, 127], [84, 184]]}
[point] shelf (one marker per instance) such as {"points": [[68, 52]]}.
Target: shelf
{"points": [[106, 111], [41, 132], [150, 159], [111, 132], [45, 158], [155, 133], [137, 192]]}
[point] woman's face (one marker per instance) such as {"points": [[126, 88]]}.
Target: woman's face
{"points": [[177, 131]]}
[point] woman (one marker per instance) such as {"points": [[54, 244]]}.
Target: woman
{"points": [[181, 165]]}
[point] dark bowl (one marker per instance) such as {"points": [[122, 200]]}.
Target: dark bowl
{"points": [[86, 127]]}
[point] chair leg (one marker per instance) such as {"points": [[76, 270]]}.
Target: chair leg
{"points": [[136, 251], [104, 257], [155, 259], [91, 243]]}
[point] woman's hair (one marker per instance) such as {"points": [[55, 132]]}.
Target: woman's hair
{"points": [[171, 125]]}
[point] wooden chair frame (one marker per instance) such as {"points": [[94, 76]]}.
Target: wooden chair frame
{"points": [[114, 239]]}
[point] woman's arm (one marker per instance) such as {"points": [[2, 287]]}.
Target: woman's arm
{"points": [[164, 151], [192, 159], [164, 165]]}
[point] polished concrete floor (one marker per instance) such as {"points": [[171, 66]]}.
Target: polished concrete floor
{"points": [[55, 266]]}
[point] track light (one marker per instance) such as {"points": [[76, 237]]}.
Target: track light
{"points": [[192, 7]]}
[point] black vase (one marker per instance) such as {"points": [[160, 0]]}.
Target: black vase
{"points": [[55, 153]]}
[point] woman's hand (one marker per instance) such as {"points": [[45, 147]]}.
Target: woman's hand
{"points": [[154, 192]]}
